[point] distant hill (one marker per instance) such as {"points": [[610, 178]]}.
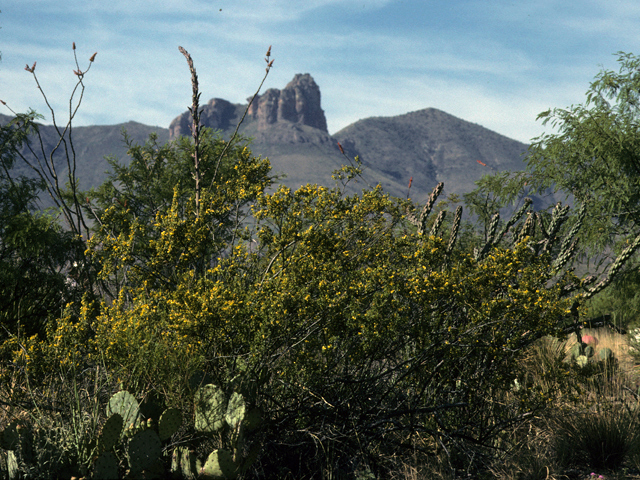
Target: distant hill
{"points": [[431, 146], [289, 127], [92, 145]]}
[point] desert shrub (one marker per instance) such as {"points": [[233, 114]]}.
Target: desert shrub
{"points": [[354, 325], [352, 330]]}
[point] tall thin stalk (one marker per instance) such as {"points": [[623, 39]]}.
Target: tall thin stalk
{"points": [[195, 126]]}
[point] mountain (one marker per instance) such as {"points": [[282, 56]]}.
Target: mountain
{"points": [[92, 145], [429, 146], [289, 127]]}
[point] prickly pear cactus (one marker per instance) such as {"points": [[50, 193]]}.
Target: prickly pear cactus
{"points": [[582, 360], [143, 450], [235, 410], [605, 354], [169, 423], [184, 463], [138, 426], [105, 467], [589, 351], [126, 405], [211, 407], [9, 438], [110, 433], [577, 350], [219, 466], [252, 419]]}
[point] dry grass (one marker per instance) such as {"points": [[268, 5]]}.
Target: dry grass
{"points": [[593, 423]]}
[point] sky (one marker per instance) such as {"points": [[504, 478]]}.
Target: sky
{"points": [[497, 63]]}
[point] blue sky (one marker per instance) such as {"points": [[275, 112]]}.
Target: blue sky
{"points": [[497, 63]]}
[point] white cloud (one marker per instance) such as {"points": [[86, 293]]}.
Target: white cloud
{"points": [[521, 59]]}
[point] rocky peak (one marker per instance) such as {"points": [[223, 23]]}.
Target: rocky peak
{"points": [[298, 102], [216, 114]]}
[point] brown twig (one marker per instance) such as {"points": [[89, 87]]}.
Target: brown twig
{"points": [[235, 133]]}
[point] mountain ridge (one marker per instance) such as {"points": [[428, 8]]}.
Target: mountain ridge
{"points": [[289, 127]]}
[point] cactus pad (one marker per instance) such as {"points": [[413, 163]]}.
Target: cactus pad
{"points": [[105, 467], [9, 440], [235, 410], [169, 423], [110, 433], [183, 464], [143, 450], [126, 405], [219, 466], [606, 354], [577, 350], [252, 419], [211, 406]]}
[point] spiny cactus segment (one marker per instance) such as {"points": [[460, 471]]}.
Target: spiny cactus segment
{"points": [[211, 406], [105, 467], [9, 439], [235, 410], [169, 423], [219, 466], [454, 229], [435, 228], [143, 450], [184, 464], [110, 432], [126, 405], [252, 419], [421, 221], [605, 354]]}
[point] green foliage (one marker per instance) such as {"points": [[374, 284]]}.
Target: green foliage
{"points": [[148, 229], [335, 300], [601, 438], [593, 156], [328, 332], [35, 252]]}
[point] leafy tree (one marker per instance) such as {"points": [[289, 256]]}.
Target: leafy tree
{"points": [[35, 252], [148, 201], [595, 158]]}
